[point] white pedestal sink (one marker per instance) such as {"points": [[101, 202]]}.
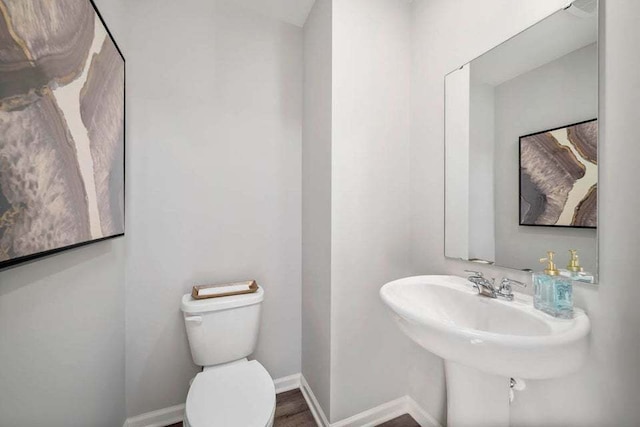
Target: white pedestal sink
{"points": [[485, 342]]}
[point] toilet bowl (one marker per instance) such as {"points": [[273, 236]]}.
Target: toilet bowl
{"points": [[231, 391], [240, 394]]}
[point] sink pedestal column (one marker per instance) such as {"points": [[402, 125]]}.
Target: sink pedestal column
{"points": [[476, 399]]}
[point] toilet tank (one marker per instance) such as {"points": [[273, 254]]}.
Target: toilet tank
{"points": [[222, 330]]}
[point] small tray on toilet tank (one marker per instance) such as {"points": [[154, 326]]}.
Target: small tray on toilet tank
{"points": [[224, 289]]}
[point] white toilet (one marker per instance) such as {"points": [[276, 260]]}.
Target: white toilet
{"points": [[230, 391]]}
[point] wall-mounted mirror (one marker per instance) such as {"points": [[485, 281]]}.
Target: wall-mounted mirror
{"points": [[522, 148]]}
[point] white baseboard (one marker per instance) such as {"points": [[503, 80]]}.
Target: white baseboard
{"points": [[375, 416], [289, 383], [159, 418], [372, 417], [421, 416], [312, 402]]}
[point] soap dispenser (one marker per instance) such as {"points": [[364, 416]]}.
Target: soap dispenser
{"points": [[553, 293], [574, 271]]}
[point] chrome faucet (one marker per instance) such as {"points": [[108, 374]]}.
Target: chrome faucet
{"points": [[484, 286], [488, 289], [506, 291]]}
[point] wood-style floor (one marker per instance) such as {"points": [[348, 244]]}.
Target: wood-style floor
{"points": [[292, 411]]}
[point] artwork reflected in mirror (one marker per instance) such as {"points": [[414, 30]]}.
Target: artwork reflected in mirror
{"points": [[511, 198], [559, 177], [62, 127]]}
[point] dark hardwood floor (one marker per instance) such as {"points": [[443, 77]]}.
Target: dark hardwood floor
{"points": [[292, 411]]}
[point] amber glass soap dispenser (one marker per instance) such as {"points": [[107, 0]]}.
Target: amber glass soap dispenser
{"points": [[553, 293]]}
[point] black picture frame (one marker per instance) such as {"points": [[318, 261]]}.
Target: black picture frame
{"points": [[48, 253], [520, 223]]}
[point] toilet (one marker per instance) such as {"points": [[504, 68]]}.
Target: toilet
{"points": [[231, 391]]}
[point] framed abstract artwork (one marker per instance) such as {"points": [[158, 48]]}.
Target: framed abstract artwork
{"points": [[62, 129], [559, 177]]}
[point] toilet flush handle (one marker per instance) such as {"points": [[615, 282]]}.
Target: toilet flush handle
{"points": [[193, 319]]}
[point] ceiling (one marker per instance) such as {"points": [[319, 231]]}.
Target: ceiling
{"points": [[292, 11], [556, 36]]}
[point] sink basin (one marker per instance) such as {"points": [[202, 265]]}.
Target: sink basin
{"points": [[484, 341], [445, 315]]}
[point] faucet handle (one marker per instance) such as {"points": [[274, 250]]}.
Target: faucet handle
{"points": [[508, 282], [475, 273], [505, 290]]}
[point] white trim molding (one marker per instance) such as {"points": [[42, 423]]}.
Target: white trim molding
{"points": [[372, 417], [421, 416], [312, 402], [369, 418], [375, 416], [289, 383], [159, 418]]}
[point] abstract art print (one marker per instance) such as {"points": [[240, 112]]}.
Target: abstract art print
{"points": [[62, 88], [559, 177]]}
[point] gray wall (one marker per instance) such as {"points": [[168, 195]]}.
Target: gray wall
{"points": [[62, 335], [559, 93], [371, 203], [62, 330], [447, 34], [316, 203], [215, 124], [356, 205], [482, 172]]}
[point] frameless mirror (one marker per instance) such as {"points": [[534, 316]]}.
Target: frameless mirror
{"points": [[522, 148]]}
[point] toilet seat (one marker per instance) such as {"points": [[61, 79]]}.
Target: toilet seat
{"points": [[238, 395]]}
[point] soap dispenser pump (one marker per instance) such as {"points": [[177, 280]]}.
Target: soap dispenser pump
{"points": [[553, 293], [551, 269], [574, 262], [574, 270]]}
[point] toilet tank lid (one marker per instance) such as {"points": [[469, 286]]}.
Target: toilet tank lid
{"points": [[190, 305]]}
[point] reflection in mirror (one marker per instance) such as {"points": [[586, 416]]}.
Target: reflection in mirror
{"points": [[521, 149]]}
